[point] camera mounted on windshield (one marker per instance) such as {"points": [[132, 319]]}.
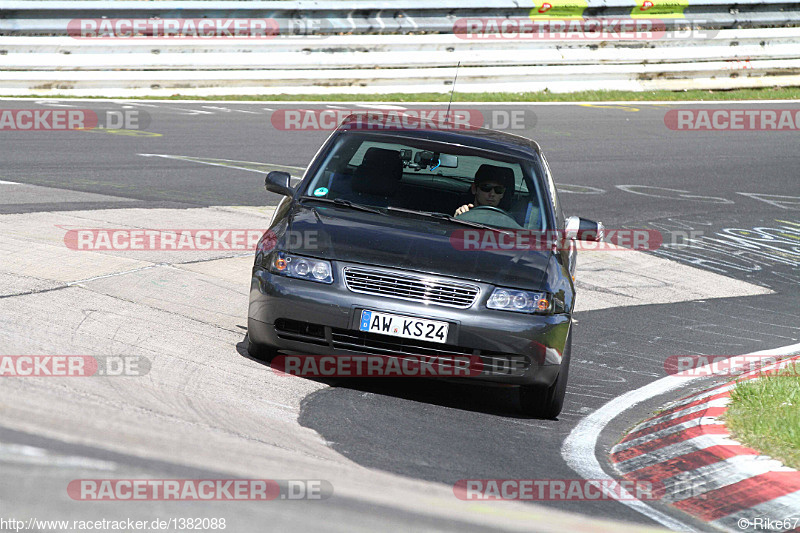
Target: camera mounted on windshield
{"points": [[426, 158]]}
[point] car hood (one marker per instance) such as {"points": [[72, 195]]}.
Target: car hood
{"points": [[407, 242]]}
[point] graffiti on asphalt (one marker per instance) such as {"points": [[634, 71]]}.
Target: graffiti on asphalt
{"points": [[733, 249]]}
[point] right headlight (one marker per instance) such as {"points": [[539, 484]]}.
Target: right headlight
{"points": [[518, 301], [296, 266]]}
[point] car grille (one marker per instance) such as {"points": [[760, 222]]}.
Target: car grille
{"points": [[410, 287]]}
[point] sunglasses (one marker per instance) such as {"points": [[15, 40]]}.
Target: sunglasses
{"points": [[498, 189]]}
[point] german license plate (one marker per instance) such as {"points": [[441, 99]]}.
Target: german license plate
{"points": [[403, 326]]}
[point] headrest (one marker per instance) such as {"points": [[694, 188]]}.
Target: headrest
{"points": [[379, 173]]}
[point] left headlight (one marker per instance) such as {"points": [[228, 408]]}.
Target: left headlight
{"points": [[520, 301], [296, 266]]}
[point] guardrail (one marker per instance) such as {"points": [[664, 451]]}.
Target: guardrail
{"points": [[394, 46], [382, 16]]}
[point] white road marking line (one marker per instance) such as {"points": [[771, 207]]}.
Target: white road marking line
{"points": [[10, 183], [382, 107], [52, 103], [228, 110], [191, 112], [22, 454], [191, 159], [580, 446]]}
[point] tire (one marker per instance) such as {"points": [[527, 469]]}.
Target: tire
{"points": [[546, 402], [262, 352]]}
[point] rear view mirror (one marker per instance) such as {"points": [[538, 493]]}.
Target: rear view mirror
{"points": [[584, 229], [278, 182]]}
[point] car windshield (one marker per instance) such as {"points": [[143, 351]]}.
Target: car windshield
{"points": [[430, 177]]}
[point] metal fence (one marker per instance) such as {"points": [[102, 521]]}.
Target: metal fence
{"points": [[370, 46]]}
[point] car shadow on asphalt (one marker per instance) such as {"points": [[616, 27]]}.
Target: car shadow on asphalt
{"points": [[429, 429], [486, 398]]}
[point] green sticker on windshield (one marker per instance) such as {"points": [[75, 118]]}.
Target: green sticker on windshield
{"points": [[322, 191]]}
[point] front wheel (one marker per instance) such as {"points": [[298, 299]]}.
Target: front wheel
{"points": [[546, 402]]}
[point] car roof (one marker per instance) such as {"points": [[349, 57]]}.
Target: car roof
{"points": [[371, 123]]}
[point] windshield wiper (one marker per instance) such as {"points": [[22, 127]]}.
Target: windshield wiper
{"points": [[344, 203], [443, 216]]}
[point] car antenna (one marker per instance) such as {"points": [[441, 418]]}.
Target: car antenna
{"points": [[453, 90]]}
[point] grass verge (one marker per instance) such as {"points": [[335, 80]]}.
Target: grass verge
{"points": [[765, 414], [770, 93]]}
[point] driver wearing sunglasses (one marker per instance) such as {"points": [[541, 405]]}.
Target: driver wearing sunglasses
{"points": [[487, 190]]}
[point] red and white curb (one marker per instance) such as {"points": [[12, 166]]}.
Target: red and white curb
{"points": [[688, 455]]}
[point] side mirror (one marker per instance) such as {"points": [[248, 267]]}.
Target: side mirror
{"points": [[278, 182], [584, 229]]}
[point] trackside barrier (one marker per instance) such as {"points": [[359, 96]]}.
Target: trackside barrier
{"points": [[373, 46]]}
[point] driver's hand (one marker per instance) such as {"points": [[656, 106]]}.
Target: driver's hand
{"points": [[463, 209]]}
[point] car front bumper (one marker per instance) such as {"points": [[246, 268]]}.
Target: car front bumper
{"points": [[304, 317]]}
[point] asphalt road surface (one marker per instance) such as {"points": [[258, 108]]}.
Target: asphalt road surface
{"points": [[737, 193]]}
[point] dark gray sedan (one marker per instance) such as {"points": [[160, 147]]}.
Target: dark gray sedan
{"points": [[425, 243]]}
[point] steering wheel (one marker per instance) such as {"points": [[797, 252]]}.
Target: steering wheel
{"points": [[490, 208], [489, 213]]}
